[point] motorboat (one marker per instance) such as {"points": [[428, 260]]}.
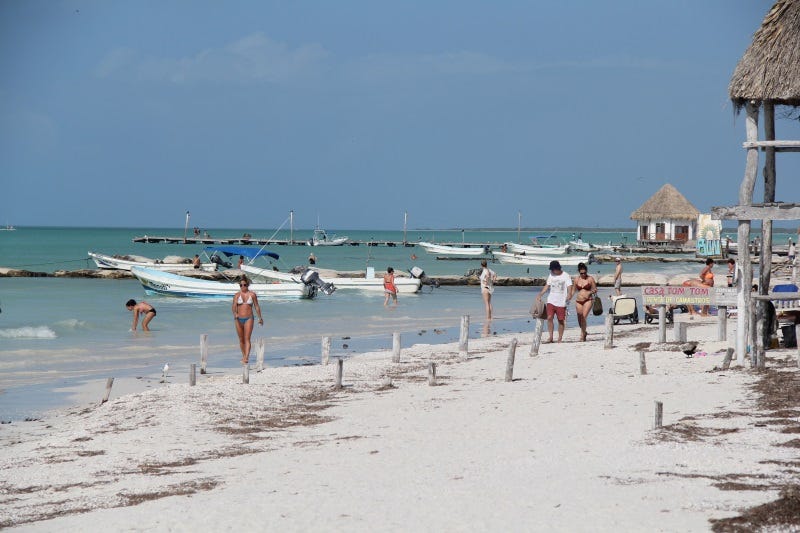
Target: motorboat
{"points": [[405, 285], [445, 250], [321, 238], [8, 227], [126, 262], [541, 260], [579, 245], [526, 249]]}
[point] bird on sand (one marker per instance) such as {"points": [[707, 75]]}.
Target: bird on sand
{"points": [[689, 348], [164, 372]]}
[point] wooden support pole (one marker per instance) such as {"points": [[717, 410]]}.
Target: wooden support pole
{"points": [[326, 349], [797, 340], [512, 349], [463, 338], [662, 324], [642, 364], [395, 347], [432, 374], [609, 332], [537, 336], [203, 352], [680, 331], [722, 322], [192, 374], [659, 415], [109, 384], [761, 326], [339, 372], [726, 363], [260, 346], [246, 374]]}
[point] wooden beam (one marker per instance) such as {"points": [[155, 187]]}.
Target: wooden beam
{"points": [[779, 146], [778, 211]]}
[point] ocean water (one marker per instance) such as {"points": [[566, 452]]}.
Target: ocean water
{"points": [[57, 332]]}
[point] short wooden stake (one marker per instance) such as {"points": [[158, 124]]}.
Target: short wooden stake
{"points": [[395, 347], [431, 373], [609, 333], [192, 375], [726, 363], [680, 331], [761, 326], [246, 374], [260, 346], [659, 418], [339, 371], [510, 361], [109, 384], [642, 364], [662, 324], [722, 323], [537, 337], [797, 339], [463, 338], [203, 352], [326, 349]]}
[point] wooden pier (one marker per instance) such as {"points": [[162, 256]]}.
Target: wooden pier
{"points": [[149, 239]]}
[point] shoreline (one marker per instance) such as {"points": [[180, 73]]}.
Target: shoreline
{"points": [[569, 438]]}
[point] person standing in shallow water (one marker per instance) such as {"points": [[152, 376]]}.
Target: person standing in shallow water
{"points": [[618, 276], [244, 303], [389, 288], [487, 277], [143, 308]]}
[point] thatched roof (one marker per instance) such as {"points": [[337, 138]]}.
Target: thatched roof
{"points": [[667, 203], [770, 68]]}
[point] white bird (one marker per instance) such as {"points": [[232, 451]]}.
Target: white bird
{"points": [[164, 372]]}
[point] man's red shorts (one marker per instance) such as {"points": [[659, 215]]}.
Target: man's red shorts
{"points": [[560, 312]]}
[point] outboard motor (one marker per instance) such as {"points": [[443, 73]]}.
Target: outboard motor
{"points": [[218, 260], [311, 277], [418, 273]]}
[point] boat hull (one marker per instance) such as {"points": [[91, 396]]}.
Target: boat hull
{"points": [[452, 251], [107, 262], [536, 250], [404, 285], [539, 260]]}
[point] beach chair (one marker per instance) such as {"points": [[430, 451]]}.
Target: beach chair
{"points": [[625, 308], [786, 312], [651, 314]]}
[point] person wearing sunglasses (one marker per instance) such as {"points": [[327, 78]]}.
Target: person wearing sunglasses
{"points": [[245, 302]]}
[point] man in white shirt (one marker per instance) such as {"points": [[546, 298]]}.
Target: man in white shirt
{"points": [[558, 283]]}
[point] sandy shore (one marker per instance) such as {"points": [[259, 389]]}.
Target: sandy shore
{"points": [[569, 445]]}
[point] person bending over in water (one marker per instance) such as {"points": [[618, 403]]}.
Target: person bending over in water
{"points": [[147, 311], [243, 304]]}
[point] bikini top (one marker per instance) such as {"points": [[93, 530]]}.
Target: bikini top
{"points": [[248, 302]]}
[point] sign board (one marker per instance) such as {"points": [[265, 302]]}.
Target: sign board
{"points": [[726, 296], [708, 235], [666, 295]]}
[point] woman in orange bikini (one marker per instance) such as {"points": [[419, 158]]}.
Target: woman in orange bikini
{"points": [[587, 289], [389, 288], [244, 302], [706, 280]]}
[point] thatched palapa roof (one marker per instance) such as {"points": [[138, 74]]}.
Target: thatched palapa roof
{"points": [[770, 68], [667, 203]]}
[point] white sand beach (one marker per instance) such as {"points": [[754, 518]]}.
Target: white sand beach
{"points": [[568, 445]]}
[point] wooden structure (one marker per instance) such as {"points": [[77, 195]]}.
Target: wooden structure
{"points": [[767, 75], [666, 218]]}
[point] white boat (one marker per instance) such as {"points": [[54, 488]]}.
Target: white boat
{"points": [[578, 244], [170, 284], [375, 284], [541, 260], [109, 262], [454, 251], [321, 238], [8, 227], [527, 249]]}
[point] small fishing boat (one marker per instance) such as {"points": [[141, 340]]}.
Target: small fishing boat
{"points": [[445, 250], [526, 249], [126, 262], [321, 238], [8, 227], [371, 284], [541, 260]]}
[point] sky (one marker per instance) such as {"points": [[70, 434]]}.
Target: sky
{"points": [[460, 113]]}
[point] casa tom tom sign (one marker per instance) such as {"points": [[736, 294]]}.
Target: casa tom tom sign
{"points": [[666, 295]]}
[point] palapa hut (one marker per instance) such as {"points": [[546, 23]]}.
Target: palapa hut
{"points": [[767, 75], [666, 218]]}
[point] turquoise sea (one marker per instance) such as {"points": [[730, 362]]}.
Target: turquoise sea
{"points": [[58, 332]]}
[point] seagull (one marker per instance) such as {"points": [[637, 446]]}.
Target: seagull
{"points": [[164, 372], [689, 348]]}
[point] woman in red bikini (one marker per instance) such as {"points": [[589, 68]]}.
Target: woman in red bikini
{"points": [[244, 302], [586, 288], [389, 288]]}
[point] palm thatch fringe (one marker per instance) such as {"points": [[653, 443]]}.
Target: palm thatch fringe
{"points": [[667, 203]]}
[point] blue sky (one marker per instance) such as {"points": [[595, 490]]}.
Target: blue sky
{"points": [[461, 113]]}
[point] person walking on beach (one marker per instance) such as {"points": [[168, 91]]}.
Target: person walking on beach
{"points": [[389, 288], [559, 286], [244, 302], [143, 308], [618, 276], [487, 277], [585, 289]]}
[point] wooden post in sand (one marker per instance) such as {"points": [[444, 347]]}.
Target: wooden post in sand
{"points": [[609, 333], [339, 371], [203, 352], [537, 336], [761, 326], [797, 340], [260, 346], [432, 374], [109, 384], [246, 374], [463, 338], [642, 364], [680, 331], [662, 324], [726, 363], [192, 375], [395, 347], [326, 349], [510, 361], [659, 418], [722, 322]]}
